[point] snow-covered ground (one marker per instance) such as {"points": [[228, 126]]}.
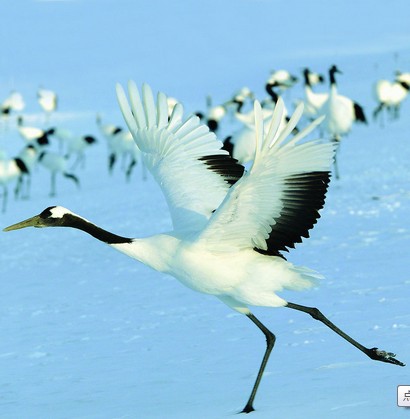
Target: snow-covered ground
{"points": [[89, 333]]}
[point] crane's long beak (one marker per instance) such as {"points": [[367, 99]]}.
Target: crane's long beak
{"points": [[35, 221]]}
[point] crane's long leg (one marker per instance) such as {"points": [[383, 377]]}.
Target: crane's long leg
{"points": [[5, 193], [26, 195], [270, 342], [373, 353], [18, 187], [111, 162], [335, 165], [53, 184], [130, 168]]}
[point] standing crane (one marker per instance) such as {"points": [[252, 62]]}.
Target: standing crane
{"points": [[341, 112], [231, 227]]}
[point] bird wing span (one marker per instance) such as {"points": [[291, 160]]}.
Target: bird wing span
{"points": [[276, 203], [184, 157]]}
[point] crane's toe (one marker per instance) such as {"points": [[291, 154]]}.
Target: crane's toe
{"points": [[383, 356]]}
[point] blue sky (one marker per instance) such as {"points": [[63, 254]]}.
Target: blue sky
{"points": [[82, 47]]}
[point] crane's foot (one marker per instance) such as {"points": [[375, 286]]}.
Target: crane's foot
{"points": [[383, 356], [247, 409]]}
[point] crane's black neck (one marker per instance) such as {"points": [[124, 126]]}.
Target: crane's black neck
{"points": [[271, 92], [73, 221], [212, 124], [332, 78], [239, 104], [306, 77]]}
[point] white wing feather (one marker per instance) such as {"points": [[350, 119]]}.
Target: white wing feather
{"points": [[175, 152], [264, 194]]}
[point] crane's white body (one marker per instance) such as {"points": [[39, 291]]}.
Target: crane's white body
{"points": [[403, 77], [315, 78], [217, 227], [9, 168], [74, 144], [313, 102], [77, 145], [29, 155], [339, 113], [123, 143], [390, 93], [29, 134], [47, 99], [119, 141], [14, 102], [8, 171], [237, 278], [216, 113], [54, 162], [282, 78]]}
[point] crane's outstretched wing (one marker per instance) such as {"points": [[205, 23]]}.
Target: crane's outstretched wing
{"points": [[185, 158], [276, 203]]}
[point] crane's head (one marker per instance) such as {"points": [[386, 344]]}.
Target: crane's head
{"points": [[333, 69], [51, 217], [62, 217]]}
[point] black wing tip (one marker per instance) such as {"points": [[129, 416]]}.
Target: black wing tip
{"points": [[304, 197], [225, 166]]}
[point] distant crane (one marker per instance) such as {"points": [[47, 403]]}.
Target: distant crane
{"points": [[341, 112], [10, 170], [48, 101], [313, 101], [13, 103], [75, 145], [55, 163], [120, 145], [390, 95], [230, 226], [242, 142], [282, 78], [28, 157], [34, 135]]}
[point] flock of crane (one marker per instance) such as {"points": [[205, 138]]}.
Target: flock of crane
{"points": [[64, 160], [231, 226]]}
